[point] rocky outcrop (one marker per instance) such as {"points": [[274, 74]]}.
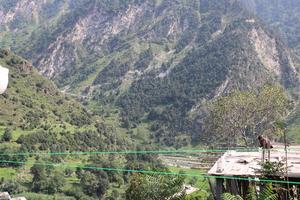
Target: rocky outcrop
{"points": [[266, 49]]}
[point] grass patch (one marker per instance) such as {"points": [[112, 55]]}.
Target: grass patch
{"points": [[198, 182], [8, 173]]}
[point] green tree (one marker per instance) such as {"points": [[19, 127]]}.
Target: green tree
{"points": [[11, 186], [55, 182], [227, 196], [241, 116], [46, 179], [266, 194], [7, 136], [68, 172], [94, 185], [11, 154], [155, 187], [271, 170], [39, 179], [77, 193]]}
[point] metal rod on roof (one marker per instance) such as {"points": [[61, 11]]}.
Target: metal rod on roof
{"points": [[286, 164]]}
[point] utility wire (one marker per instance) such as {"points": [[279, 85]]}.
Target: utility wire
{"points": [[204, 175], [134, 152]]}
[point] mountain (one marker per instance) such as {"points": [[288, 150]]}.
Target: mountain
{"points": [[283, 17], [158, 62], [41, 118], [41, 127], [32, 100]]}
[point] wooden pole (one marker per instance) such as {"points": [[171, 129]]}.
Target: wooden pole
{"points": [[286, 164], [212, 188], [219, 188], [263, 154], [244, 188], [232, 186]]}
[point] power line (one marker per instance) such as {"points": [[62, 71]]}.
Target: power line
{"points": [[203, 175], [120, 152], [133, 152]]}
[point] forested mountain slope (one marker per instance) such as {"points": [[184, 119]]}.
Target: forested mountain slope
{"points": [[37, 115], [284, 18], [45, 136], [158, 62], [31, 100]]}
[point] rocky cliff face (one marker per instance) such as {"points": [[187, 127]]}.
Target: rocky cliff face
{"points": [[283, 17], [63, 38]]}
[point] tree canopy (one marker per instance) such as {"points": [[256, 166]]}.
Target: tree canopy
{"points": [[154, 187], [240, 117]]}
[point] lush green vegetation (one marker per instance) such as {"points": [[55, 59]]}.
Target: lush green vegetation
{"points": [[271, 191], [49, 108], [63, 131], [152, 73], [175, 75], [267, 193], [241, 117], [58, 124], [153, 187]]}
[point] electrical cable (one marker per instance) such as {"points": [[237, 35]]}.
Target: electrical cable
{"points": [[204, 175], [134, 152]]}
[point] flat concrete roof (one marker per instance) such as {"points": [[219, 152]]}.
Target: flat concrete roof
{"points": [[244, 164]]}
